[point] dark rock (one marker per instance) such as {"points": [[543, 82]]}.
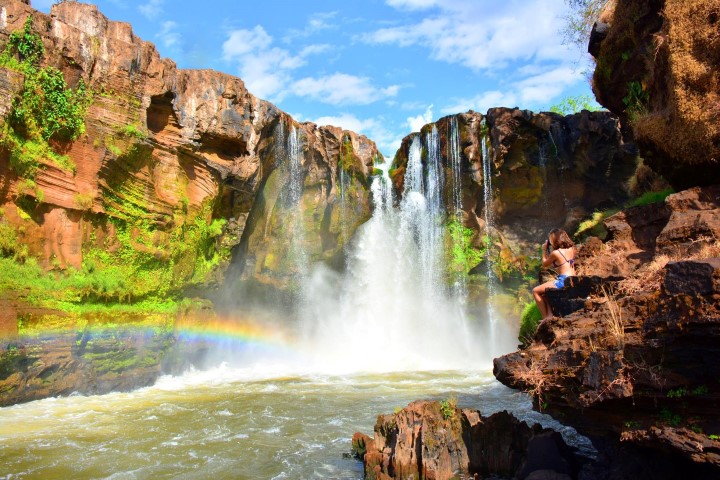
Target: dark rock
{"points": [[695, 217], [572, 297], [420, 441], [647, 70], [597, 35], [639, 225], [693, 277]]}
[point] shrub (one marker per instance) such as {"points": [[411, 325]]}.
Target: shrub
{"points": [[650, 197], [529, 322]]}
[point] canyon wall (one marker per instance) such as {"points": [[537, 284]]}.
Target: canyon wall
{"points": [[545, 171], [175, 168]]}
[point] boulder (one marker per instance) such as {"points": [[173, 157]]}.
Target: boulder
{"points": [[693, 277], [440, 442]]}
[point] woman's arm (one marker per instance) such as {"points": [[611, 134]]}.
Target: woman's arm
{"points": [[550, 259]]}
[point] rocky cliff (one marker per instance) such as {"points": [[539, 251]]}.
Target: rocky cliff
{"points": [[544, 171], [656, 67], [173, 168], [636, 365], [437, 440]]}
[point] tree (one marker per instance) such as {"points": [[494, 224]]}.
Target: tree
{"points": [[580, 20], [570, 105]]}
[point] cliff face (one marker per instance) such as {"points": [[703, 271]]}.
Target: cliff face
{"points": [[637, 364], [546, 170], [165, 155], [657, 69]]}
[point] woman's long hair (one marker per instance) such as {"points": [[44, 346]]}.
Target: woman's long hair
{"points": [[562, 239]]}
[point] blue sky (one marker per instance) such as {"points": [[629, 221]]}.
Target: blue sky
{"points": [[380, 67]]}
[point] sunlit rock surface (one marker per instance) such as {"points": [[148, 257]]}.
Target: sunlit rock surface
{"points": [[170, 147], [636, 369], [657, 68]]}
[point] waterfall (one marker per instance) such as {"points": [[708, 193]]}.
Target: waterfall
{"points": [[389, 310], [343, 181], [296, 179], [489, 227], [455, 165], [460, 289]]}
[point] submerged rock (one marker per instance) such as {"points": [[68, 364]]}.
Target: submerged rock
{"points": [[439, 441]]}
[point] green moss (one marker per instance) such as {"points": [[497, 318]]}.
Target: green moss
{"points": [[594, 226], [46, 109], [461, 254], [650, 197], [529, 321]]}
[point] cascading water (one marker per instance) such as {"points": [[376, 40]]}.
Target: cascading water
{"points": [[489, 218], [369, 340], [390, 306], [296, 180], [460, 288]]}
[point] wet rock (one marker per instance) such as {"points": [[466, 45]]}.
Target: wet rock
{"points": [[424, 441]]}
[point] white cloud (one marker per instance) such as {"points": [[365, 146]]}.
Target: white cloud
{"points": [[412, 4], [243, 42], [317, 22], [342, 89], [374, 128], [416, 123], [167, 35], [264, 69], [535, 91], [481, 35], [152, 9]]}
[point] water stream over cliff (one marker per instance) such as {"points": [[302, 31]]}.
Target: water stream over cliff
{"points": [[282, 399]]}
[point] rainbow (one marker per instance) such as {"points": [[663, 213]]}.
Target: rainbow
{"points": [[234, 331]]}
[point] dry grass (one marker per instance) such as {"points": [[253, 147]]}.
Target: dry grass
{"points": [[535, 381], [613, 316], [686, 125], [648, 277]]}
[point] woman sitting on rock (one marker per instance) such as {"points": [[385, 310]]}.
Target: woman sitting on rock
{"points": [[558, 251]]}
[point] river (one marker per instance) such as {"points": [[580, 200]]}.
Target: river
{"points": [[229, 423]]}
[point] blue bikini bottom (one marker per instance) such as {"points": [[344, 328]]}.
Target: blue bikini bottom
{"points": [[560, 281]]}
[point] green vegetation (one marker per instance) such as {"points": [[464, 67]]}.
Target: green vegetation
{"points": [[681, 392], [678, 393], [462, 255], [594, 226], [529, 322], [447, 407], [714, 437], [650, 197], [45, 110], [579, 22], [672, 419], [134, 131], [570, 105], [636, 100]]}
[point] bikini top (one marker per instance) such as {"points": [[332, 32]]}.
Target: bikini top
{"points": [[571, 261]]}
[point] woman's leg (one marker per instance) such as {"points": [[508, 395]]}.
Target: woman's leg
{"points": [[538, 293]]}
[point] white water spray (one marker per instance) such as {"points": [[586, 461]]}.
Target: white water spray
{"points": [[460, 288], [389, 311], [489, 218], [296, 180]]}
